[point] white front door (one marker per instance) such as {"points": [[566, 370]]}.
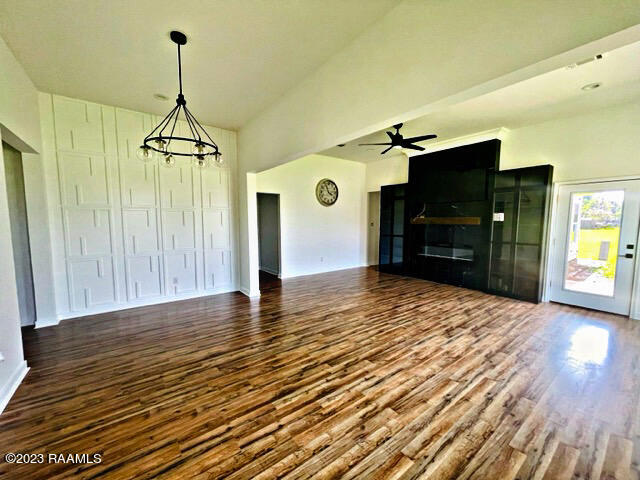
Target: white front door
{"points": [[594, 245]]}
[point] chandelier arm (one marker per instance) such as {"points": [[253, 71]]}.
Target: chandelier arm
{"points": [[168, 119], [193, 121], [210, 139], [201, 128], [175, 122], [194, 131], [165, 119]]}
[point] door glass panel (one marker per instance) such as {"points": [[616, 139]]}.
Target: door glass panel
{"points": [[398, 216], [531, 209], [594, 233], [505, 179], [503, 216], [385, 250], [526, 279], [534, 178], [397, 250], [385, 217], [501, 267]]}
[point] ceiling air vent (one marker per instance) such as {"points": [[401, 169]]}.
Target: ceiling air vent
{"points": [[600, 56]]}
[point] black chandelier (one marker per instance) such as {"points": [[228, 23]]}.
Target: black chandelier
{"points": [[161, 138]]}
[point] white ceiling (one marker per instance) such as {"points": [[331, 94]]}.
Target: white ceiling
{"points": [[552, 95], [242, 55]]}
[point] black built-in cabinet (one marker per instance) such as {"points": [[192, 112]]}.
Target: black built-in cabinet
{"points": [[441, 226], [449, 208], [520, 208]]}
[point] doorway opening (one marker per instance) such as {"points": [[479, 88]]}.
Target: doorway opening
{"points": [[14, 178], [269, 239], [594, 249], [373, 228]]}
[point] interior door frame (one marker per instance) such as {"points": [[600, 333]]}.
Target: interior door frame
{"points": [[278, 239], [368, 231], [552, 237]]}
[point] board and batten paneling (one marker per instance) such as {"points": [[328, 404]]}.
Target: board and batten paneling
{"points": [[133, 233]]}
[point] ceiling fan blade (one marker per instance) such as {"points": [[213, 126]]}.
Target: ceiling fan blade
{"points": [[413, 147], [390, 135], [419, 139], [385, 151], [362, 144]]}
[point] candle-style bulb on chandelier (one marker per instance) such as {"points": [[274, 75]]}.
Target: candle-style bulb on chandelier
{"points": [[163, 141]]}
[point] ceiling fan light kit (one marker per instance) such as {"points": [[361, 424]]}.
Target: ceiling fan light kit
{"points": [[199, 145], [398, 142]]}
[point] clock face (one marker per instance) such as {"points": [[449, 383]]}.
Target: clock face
{"points": [[326, 192]]}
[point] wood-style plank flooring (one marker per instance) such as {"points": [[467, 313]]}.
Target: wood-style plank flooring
{"points": [[268, 281], [351, 374]]}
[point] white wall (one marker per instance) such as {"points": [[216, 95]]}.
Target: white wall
{"points": [[12, 364], [127, 233], [373, 228], [604, 143], [601, 144], [19, 233], [18, 103], [315, 238], [18, 124], [388, 171], [249, 261]]}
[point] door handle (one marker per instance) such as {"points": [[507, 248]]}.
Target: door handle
{"points": [[627, 255]]}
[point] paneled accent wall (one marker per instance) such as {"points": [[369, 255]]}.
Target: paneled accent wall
{"points": [[132, 233]]}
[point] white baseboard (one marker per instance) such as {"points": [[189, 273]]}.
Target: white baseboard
{"points": [[250, 294], [306, 274], [7, 391], [47, 322], [143, 303]]}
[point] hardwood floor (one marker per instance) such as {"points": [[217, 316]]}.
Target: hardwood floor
{"points": [[352, 374], [268, 281]]}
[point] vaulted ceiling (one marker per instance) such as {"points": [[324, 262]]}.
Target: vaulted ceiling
{"points": [[555, 94], [242, 55], [298, 76]]}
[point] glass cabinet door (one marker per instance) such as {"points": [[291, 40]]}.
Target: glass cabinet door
{"points": [[520, 212], [392, 219]]}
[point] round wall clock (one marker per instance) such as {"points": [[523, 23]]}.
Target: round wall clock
{"points": [[326, 192]]}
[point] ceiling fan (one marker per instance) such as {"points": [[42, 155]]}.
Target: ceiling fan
{"points": [[398, 141]]}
